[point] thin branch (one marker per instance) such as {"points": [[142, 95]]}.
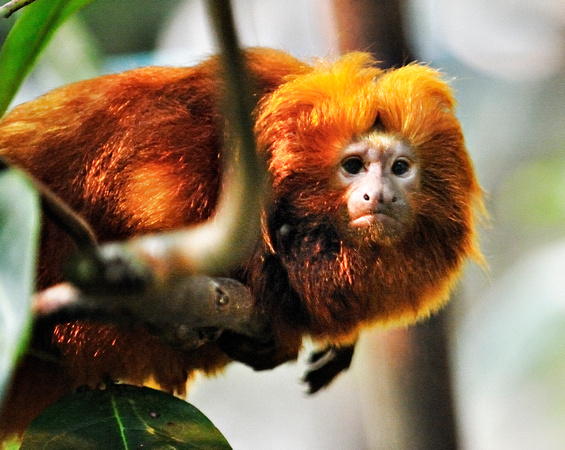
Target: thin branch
{"points": [[63, 215], [65, 218], [219, 244], [11, 7]]}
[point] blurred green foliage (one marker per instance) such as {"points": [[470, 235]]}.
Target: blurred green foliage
{"points": [[19, 229], [534, 194], [127, 26]]}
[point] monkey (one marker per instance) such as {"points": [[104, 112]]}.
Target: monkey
{"points": [[374, 207]]}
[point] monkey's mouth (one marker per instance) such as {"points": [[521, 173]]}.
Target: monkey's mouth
{"points": [[373, 218]]}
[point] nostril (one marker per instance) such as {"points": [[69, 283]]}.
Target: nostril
{"points": [[366, 197]]}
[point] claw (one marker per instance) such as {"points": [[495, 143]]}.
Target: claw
{"points": [[325, 365]]}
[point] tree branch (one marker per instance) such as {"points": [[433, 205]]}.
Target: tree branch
{"points": [[220, 243], [63, 215], [188, 313], [150, 279]]}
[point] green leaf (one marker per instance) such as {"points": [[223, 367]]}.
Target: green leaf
{"points": [[19, 225], [27, 38], [122, 417]]}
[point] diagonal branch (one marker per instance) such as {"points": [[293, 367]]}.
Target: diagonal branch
{"points": [[63, 215]]}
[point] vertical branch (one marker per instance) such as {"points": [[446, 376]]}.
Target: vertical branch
{"points": [[406, 377], [373, 26], [243, 174], [428, 381]]}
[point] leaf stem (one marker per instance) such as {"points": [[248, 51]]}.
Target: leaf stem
{"points": [[12, 6]]}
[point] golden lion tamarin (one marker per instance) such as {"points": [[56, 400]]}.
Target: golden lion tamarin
{"points": [[373, 212]]}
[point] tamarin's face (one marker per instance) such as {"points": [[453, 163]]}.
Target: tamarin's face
{"points": [[380, 176]]}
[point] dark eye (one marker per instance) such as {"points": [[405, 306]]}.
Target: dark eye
{"points": [[352, 165], [400, 167]]}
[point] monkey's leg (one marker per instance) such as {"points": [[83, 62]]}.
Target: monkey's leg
{"points": [[326, 364]]}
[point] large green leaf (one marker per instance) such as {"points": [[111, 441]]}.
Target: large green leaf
{"points": [[122, 417], [19, 224], [27, 38]]}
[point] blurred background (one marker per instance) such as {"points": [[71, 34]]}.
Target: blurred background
{"points": [[487, 373]]}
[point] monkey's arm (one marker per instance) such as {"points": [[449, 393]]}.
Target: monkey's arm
{"points": [[260, 353], [263, 354]]}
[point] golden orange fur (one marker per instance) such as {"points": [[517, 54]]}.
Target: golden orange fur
{"points": [[139, 152], [305, 124]]}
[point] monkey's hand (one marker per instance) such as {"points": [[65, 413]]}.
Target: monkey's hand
{"points": [[326, 364], [258, 353]]}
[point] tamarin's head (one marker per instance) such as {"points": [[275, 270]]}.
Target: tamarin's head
{"points": [[374, 194], [380, 153]]}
